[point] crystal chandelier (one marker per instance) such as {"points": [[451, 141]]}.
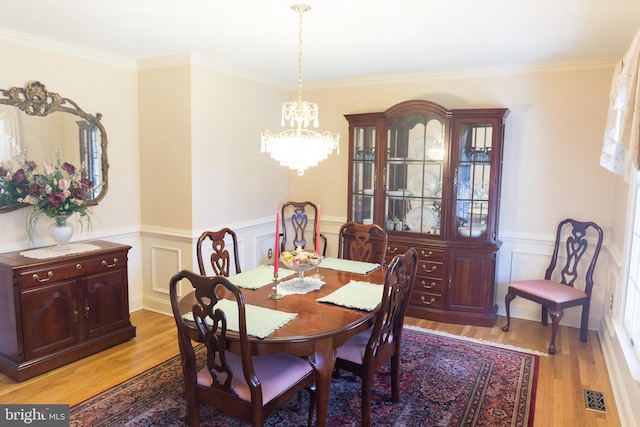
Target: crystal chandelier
{"points": [[299, 147]]}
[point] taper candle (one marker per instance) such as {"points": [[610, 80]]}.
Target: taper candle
{"points": [[276, 260], [318, 232]]}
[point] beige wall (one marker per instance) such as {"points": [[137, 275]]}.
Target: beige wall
{"points": [[552, 143], [165, 146], [232, 180]]}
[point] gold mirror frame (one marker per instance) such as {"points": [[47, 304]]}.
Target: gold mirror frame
{"points": [[35, 100]]}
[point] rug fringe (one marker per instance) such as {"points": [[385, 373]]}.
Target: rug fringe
{"points": [[476, 340]]}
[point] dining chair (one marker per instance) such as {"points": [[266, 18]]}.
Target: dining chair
{"points": [[362, 242], [364, 353], [239, 384], [299, 224], [220, 258], [568, 280]]}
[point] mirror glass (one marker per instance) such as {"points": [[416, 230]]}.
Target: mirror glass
{"points": [[38, 124]]}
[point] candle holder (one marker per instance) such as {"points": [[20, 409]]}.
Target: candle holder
{"points": [[317, 275], [275, 294]]}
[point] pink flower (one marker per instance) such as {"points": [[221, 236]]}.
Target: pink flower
{"points": [[64, 184], [49, 168]]}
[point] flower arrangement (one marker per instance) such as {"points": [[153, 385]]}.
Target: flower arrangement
{"points": [[60, 190], [299, 258]]}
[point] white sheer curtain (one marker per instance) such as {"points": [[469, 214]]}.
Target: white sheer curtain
{"points": [[620, 151], [10, 137]]}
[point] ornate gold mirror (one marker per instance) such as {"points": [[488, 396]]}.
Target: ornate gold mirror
{"points": [[40, 125]]}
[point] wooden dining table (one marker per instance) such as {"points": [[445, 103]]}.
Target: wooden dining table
{"points": [[317, 331]]}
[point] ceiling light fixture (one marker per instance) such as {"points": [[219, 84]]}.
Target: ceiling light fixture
{"points": [[299, 147]]}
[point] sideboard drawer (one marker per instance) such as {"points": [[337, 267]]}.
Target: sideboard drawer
{"points": [[53, 272]]}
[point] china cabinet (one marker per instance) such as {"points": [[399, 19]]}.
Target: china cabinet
{"points": [[431, 177], [57, 310]]}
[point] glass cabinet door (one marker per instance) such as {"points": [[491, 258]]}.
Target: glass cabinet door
{"points": [[414, 168], [363, 164], [473, 179]]}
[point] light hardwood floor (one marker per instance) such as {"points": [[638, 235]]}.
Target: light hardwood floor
{"points": [[562, 378]]}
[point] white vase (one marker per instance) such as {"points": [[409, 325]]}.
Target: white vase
{"points": [[61, 232]]}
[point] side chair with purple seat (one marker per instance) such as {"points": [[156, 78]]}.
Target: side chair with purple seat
{"points": [[568, 281], [240, 384], [364, 353]]}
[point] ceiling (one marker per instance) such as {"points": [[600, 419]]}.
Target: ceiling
{"points": [[341, 38]]}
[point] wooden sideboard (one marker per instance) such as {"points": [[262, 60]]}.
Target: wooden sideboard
{"points": [[57, 310]]}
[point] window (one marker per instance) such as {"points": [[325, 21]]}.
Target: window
{"points": [[631, 304]]}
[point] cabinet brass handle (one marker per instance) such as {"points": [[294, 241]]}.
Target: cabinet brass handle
{"points": [[106, 264], [431, 301], [39, 280], [78, 266], [392, 251], [426, 255], [431, 270], [428, 286]]}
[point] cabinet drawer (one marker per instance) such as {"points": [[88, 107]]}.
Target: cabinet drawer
{"points": [[428, 284], [425, 300], [427, 254], [72, 269], [430, 269], [424, 254]]}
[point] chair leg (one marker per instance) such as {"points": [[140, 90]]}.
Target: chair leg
{"points": [[507, 302], [556, 316], [365, 406], [312, 404], [395, 377], [584, 324], [545, 316]]}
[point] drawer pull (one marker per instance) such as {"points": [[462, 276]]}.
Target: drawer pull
{"points": [[78, 266], [392, 251], [431, 301], [426, 255], [428, 286], [39, 280], [106, 264], [431, 270]]}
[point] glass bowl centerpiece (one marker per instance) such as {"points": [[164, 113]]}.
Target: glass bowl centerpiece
{"points": [[300, 261]]}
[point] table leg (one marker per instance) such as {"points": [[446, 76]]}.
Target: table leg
{"points": [[323, 360]]}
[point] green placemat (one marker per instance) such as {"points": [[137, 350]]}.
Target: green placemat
{"points": [[348, 265], [258, 277], [361, 295], [261, 321]]}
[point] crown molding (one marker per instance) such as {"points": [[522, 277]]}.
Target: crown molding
{"points": [[53, 46], [465, 73]]}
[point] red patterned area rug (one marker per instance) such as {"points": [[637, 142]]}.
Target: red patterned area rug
{"points": [[445, 381]]}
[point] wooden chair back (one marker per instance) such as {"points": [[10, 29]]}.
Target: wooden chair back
{"points": [[362, 242], [575, 253], [220, 258], [299, 224]]}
